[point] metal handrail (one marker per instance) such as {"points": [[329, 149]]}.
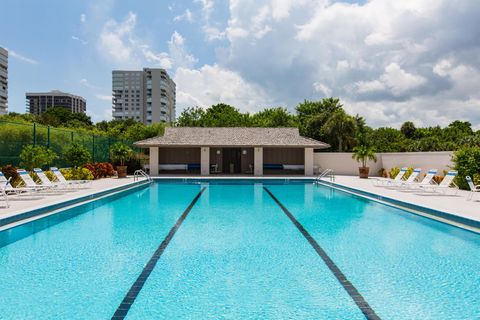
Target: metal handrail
{"points": [[142, 173], [326, 173]]}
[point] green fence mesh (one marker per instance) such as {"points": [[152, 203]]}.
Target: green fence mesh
{"points": [[15, 135]]}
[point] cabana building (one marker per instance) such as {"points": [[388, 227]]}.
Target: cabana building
{"points": [[235, 151]]}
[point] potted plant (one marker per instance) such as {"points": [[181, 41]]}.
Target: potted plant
{"points": [[362, 154], [120, 153]]}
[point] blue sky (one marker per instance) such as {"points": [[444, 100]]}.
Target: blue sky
{"points": [[390, 61]]}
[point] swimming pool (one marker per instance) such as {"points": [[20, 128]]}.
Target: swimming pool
{"points": [[238, 250]]}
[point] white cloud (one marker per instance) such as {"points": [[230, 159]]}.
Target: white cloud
{"points": [[84, 42], [212, 84], [21, 57], [83, 18], [84, 82], [389, 59], [178, 52], [119, 43], [323, 89], [395, 79], [116, 41], [187, 16]]}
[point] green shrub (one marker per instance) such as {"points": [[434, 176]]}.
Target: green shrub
{"points": [[467, 163], [36, 156], [120, 153], [77, 174], [408, 173], [393, 172], [76, 155], [51, 176]]}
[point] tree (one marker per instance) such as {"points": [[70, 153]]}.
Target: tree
{"points": [[76, 155], [408, 129], [341, 129], [121, 153], [58, 116], [312, 116], [363, 154], [224, 115], [273, 117], [36, 156], [386, 139], [191, 117]]}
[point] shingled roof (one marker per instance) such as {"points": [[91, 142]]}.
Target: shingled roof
{"points": [[231, 137]]}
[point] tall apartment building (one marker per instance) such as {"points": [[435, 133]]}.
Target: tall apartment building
{"points": [[3, 80], [146, 95], [37, 103]]}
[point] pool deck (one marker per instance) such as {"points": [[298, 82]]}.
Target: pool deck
{"points": [[456, 205], [22, 204]]}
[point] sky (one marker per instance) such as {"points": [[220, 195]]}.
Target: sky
{"points": [[389, 61]]}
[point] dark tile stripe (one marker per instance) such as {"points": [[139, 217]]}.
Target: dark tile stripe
{"points": [[346, 284], [132, 294]]}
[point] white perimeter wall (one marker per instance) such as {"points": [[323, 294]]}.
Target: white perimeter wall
{"points": [[343, 164]]}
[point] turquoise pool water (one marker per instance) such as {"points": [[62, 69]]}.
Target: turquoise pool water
{"points": [[237, 255]]}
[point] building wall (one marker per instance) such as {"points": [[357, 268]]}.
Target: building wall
{"points": [[283, 156], [343, 164], [247, 159], [3, 81], [178, 155], [147, 95], [37, 103]]}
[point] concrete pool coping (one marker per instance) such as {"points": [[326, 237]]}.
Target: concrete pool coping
{"points": [[27, 209]]}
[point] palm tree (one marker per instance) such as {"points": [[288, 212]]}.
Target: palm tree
{"points": [[362, 154], [340, 127]]}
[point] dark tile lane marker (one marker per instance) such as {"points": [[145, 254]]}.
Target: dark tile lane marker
{"points": [[132, 294], [359, 300]]}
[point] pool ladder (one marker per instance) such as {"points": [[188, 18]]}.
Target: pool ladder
{"points": [[327, 173], [138, 173]]}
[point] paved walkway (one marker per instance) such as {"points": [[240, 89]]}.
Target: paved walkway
{"points": [[21, 204], [456, 205]]}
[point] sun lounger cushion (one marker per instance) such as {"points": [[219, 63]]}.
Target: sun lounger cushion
{"points": [[293, 167]]}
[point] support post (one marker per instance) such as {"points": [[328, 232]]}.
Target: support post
{"points": [[154, 152], [308, 162], [204, 161], [258, 161]]}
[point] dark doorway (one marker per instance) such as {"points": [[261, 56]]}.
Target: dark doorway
{"points": [[232, 160]]}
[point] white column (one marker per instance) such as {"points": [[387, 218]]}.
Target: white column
{"points": [[204, 161], [258, 161], [154, 161], [308, 162]]}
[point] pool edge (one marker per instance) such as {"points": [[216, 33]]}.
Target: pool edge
{"points": [[25, 216], [434, 214]]}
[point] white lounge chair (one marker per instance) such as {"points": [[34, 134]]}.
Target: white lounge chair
{"points": [[446, 184], [385, 182], [3, 191], [60, 178], [19, 191], [54, 185], [426, 181], [30, 184], [411, 179], [473, 188]]}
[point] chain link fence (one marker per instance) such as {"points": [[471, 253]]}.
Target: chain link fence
{"points": [[15, 135]]}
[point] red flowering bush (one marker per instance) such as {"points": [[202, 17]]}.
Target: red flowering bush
{"points": [[100, 169]]}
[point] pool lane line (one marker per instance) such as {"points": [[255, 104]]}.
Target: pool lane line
{"points": [[132, 294], [359, 300]]}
